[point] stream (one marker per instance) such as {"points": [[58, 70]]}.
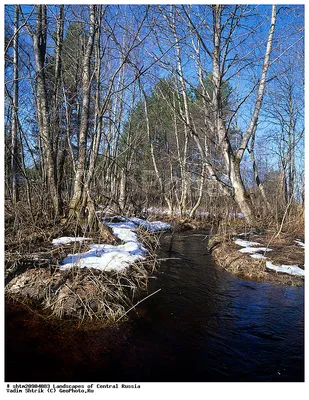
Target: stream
{"points": [[208, 325], [204, 325]]}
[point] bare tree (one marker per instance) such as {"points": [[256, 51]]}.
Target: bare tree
{"points": [[221, 34], [158, 104], [75, 203], [39, 43], [14, 127]]}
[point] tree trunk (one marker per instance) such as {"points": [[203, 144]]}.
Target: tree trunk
{"points": [[82, 203], [83, 128], [240, 194], [256, 174], [98, 116], [200, 192], [291, 148], [232, 162], [122, 190], [14, 152], [58, 158], [39, 42], [153, 156]]}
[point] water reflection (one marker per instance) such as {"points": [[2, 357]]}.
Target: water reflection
{"points": [[219, 327]]}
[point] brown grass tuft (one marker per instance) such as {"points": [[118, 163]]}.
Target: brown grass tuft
{"points": [[226, 255], [82, 294]]}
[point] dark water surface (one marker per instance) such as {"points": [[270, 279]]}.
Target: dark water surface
{"points": [[204, 325], [213, 326]]}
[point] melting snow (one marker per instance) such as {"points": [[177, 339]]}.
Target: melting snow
{"points": [[154, 226], [297, 241], [253, 249], [66, 240], [286, 269], [124, 230], [258, 256], [245, 234], [246, 243], [108, 257]]}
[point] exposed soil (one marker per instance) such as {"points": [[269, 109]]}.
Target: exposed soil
{"points": [[284, 252]]}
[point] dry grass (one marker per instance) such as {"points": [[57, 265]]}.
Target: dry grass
{"points": [[284, 251], [278, 234], [229, 258], [82, 294], [33, 277]]}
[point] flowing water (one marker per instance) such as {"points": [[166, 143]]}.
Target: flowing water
{"points": [[203, 325], [213, 326]]}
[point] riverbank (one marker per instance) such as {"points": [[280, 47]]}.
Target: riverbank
{"points": [[202, 316], [79, 278], [261, 256], [274, 259]]}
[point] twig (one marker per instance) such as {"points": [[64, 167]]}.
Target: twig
{"points": [[277, 234], [284, 216], [137, 304]]}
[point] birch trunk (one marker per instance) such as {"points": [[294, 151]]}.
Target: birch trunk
{"points": [[83, 128], [153, 157], [232, 162], [59, 159], [14, 152], [122, 190], [200, 192], [256, 174], [39, 42]]}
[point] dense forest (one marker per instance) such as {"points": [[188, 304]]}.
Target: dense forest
{"points": [[191, 109]]}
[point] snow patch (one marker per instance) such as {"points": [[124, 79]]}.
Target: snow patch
{"points": [[253, 249], [152, 226], [246, 234], [124, 230], [286, 269], [253, 252], [67, 239], [258, 256], [246, 243], [108, 257]]}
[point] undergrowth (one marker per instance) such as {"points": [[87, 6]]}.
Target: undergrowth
{"points": [[33, 276]]}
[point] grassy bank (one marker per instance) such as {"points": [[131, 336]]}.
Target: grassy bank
{"points": [[35, 280], [283, 250], [280, 236]]}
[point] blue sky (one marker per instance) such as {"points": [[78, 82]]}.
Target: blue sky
{"points": [[288, 29]]}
